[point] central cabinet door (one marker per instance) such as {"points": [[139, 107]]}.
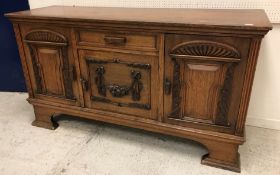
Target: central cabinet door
{"points": [[119, 82]]}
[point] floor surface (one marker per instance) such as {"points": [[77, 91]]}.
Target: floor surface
{"points": [[94, 148]]}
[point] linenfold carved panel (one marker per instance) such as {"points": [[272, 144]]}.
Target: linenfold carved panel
{"points": [[205, 48]]}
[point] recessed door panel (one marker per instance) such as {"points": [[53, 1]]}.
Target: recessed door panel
{"points": [[51, 65], [202, 85]]}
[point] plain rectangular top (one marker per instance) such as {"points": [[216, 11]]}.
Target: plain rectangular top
{"points": [[224, 18]]}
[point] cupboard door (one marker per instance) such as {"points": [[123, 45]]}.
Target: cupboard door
{"points": [[51, 64], [120, 83], [203, 78]]}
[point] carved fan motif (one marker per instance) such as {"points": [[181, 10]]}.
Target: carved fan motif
{"points": [[45, 35], [205, 48]]}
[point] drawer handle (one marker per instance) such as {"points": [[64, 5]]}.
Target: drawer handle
{"points": [[114, 40]]}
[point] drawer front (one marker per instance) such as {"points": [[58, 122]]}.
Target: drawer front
{"points": [[204, 77], [118, 40], [120, 83]]}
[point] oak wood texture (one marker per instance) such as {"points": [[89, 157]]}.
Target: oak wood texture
{"points": [[181, 72]]}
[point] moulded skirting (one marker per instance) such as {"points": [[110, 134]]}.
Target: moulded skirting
{"points": [[263, 122]]}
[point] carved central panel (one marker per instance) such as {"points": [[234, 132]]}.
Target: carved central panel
{"points": [[119, 83]]}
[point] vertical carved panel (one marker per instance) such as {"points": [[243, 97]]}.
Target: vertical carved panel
{"points": [[136, 85], [99, 80], [35, 66], [225, 94], [68, 79], [176, 91]]}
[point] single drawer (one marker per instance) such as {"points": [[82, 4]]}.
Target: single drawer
{"points": [[123, 40]]}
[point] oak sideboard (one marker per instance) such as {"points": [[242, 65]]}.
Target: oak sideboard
{"points": [[180, 72]]}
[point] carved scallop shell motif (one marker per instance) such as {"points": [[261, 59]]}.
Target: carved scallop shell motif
{"points": [[205, 48], [45, 35]]}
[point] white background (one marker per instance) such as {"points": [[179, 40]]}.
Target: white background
{"points": [[264, 107], [272, 7]]}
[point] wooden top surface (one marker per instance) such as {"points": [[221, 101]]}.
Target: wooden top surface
{"points": [[244, 19]]}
